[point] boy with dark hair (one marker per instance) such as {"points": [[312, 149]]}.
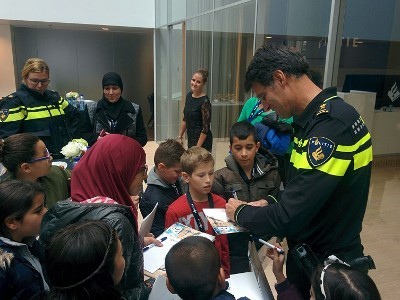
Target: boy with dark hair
{"points": [[164, 183], [194, 270], [198, 171], [248, 176]]}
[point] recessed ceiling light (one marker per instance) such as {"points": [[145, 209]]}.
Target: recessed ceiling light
{"points": [[268, 37]]}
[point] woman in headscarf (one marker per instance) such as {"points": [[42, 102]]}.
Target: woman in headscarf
{"points": [[103, 184], [114, 114]]}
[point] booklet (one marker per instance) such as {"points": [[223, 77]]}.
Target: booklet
{"points": [[220, 223], [154, 257]]}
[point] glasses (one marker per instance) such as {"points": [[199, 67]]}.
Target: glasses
{"points": [[48, 155], [36, 81]]}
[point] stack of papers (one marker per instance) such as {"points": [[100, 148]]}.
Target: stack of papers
{"points": [[154, 257], [219, 221]]}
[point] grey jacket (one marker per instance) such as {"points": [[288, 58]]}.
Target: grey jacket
{"points": [[120, 217]]}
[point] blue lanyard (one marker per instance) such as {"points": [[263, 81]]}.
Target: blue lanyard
{"points": [[255, 113]]}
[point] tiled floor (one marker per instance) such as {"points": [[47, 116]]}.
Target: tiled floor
{"points": [[381, 227]]}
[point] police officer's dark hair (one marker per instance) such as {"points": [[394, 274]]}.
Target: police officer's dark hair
{"points": [[344, 282], [16, 198], [270, 58], [169, 153], [242, 130], [16, 150], [192, 267]]}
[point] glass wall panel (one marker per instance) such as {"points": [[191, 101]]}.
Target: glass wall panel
{"points": [[169, 43], [178, 10], [196, 7], [303, 25], [233, 49], [370, 61], [198, 46], [161, 117], [370, 44], [175, 78], [219, 3]]}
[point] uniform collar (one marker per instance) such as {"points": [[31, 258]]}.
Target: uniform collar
{"points": [[313, 106]]}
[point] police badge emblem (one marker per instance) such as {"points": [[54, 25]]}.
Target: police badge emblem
{"points": [[4, 114], [320, 150]]}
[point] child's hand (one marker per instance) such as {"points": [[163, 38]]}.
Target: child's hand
{"points": [[277, 265], [150, 239]]}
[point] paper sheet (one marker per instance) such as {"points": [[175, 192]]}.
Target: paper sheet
{"points": [[147, 222], [154, 258]]}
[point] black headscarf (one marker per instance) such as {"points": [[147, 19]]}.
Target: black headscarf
{"points": [[112, 110]]}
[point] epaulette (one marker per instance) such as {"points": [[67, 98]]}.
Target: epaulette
{"points": [[324, 109], [11, 96]]}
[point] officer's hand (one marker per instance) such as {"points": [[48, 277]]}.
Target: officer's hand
{"points": [[231, 207]]}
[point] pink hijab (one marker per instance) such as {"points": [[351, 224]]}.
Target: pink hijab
{"points": [[108, 169]]}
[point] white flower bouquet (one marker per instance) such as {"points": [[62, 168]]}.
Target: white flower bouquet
{"points": [[74, 148], [72, 95]]}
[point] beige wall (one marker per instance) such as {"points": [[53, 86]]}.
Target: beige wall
{"points": [[7, 78]]}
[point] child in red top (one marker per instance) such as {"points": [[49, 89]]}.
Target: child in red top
{"points": [[198, 171]]}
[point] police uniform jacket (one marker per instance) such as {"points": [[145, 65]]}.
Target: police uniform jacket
{"points": [[46, 116], [325, 199]]}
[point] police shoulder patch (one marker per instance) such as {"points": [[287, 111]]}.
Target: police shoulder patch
{"points": [[4, 114], [320, 150]]}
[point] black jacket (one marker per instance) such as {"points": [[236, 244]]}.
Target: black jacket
{"points": [[20, 280], [130, 121], [120, 217], [158, 191]]}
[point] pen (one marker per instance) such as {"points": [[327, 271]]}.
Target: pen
{"points": [[235, 195], [280, 251], [152, 245]]}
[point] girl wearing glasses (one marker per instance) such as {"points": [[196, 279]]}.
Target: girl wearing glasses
{"points": [[104, 184], [39, 111], [26, 157], [21, 256]]}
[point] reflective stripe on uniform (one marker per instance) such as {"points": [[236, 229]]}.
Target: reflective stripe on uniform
{"points": [[42, 112], [335, 166], [363, 158]]}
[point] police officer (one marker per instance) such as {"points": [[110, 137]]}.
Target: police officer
{"points": [[35, 109], [325, 199]]}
